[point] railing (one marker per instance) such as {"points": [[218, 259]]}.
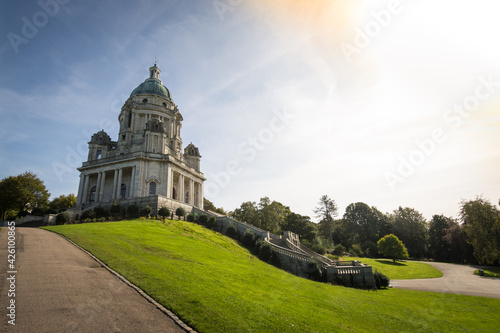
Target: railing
{"points": [[290, 253]]}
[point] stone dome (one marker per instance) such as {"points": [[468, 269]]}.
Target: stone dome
{"points": [[152, 85]]}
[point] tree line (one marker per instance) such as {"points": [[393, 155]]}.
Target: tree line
{"points": [[26, 194], [472, 238]]}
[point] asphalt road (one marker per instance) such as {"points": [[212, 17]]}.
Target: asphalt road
{"points": [[456, 279], [59, 288]]}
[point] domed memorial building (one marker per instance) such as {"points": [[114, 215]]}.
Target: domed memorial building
{"points": [[146, 165]]}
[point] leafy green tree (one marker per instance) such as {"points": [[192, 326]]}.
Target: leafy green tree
{"points": [[439, 248], [248, 212], [460, 250], [481, 222], [63, 202], [180, 212], [62, 218], [411, 227], [272, 215], [364, 224], [301, 225], [164, 212], [23, 192], [326, 211], [208, 205], [391, 247]]}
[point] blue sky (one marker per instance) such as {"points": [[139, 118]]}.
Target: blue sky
{"points": [[392, 103]]}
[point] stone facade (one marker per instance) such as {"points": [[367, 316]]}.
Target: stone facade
{"points": [[146, 164]]}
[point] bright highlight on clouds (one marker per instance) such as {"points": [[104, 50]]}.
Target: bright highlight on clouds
{"points": [[362, 87]]}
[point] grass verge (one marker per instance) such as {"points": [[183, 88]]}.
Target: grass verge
{"points": [[215, 285], [401, 270]]}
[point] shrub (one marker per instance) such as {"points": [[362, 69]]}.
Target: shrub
{"points": [[314, 271], [356, 250], [100, 212], [265, 252], [77, 217], [212, 223], [115, 209], [381, 281], [88, 214], [62, 218], [164, 212], [180, 212], [146, 211], [391, 247], [249, 239], [203, 219], [370, 249], [339, 250], [132, 211], [232, 231], [190, 218]]}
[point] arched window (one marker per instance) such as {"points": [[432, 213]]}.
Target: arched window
{"points": [[92, 195], [152, 188], [98, 154], [174, 194], [123, 191]]}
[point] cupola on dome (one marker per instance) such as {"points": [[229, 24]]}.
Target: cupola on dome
{"points": [[152, 85]]}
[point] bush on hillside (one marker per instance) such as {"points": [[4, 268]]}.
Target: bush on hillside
{"points": [[115, 209], [381, 281], [88, 214], [265, 252], [146, 211], [212, 223], [100, 212], [315, 271], [132, 211], [190, 218], [164, 212], [249, 239], [203, 220], [232, 231], [62, 218], [180, 212]]}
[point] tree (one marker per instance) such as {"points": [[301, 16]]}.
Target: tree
{"points": [[163, 212], [272, 215], [248, 212], [481, 221], [23, 192], [63, 202], [391, 247], [411, 227], [208, 205], [147, 211], [460, 251], [439, 247], [301, 225], [180, 212], [62, 218], [364, 224], [326, 211]]}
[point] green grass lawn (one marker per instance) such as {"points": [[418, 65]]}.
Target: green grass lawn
{"points": [[215, 285], [401, 270], [490, 272]]}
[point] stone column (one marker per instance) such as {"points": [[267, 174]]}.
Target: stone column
{"points": [[98, 187], [115, 180], [80, 190], [103, 182], [170, 184], [119, 184], [132, 183], [181, 188], [201, 197], [191, 192], [85, 189]]}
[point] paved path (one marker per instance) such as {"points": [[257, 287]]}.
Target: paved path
{"points": [[60, 288], [456, 279]]}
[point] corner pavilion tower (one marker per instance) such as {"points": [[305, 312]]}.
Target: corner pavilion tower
{"points": [[146, 165]]}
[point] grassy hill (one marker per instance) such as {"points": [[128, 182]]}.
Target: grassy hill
{"points": [[215, 285]]}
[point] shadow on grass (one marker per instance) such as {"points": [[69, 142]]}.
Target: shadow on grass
{"points": [[390, 262]]}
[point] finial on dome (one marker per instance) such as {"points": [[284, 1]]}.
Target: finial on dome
{"points": [[154, 72]]}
